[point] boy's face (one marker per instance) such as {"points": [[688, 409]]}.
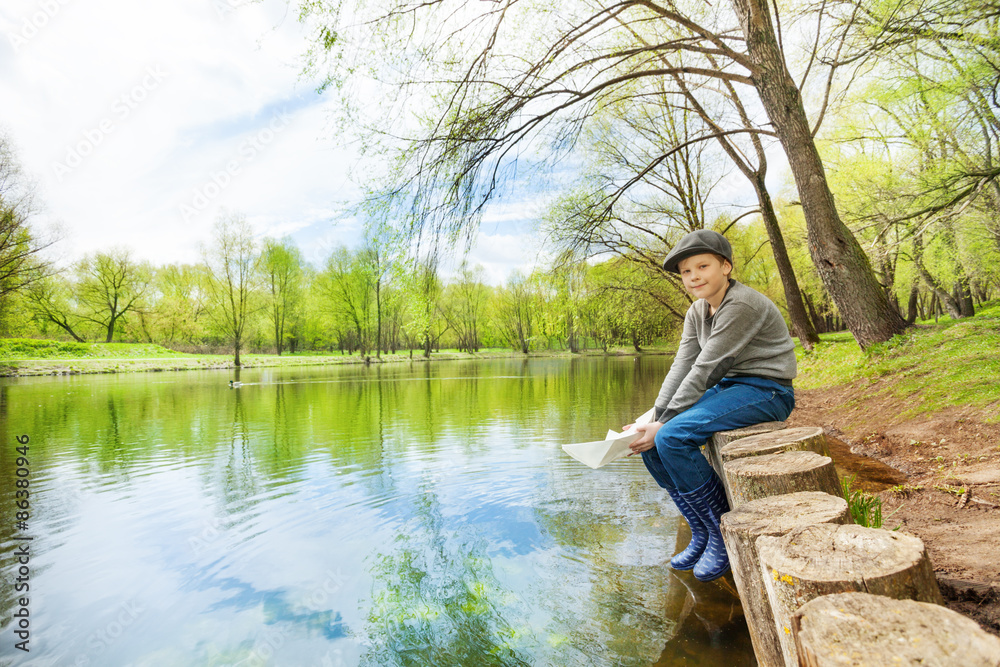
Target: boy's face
{"points": [[705, 276]]}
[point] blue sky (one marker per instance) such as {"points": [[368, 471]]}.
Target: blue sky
{"points": [[140, 121]]}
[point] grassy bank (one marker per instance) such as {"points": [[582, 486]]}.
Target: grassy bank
{"points": [[24, 357], [933, 366]]}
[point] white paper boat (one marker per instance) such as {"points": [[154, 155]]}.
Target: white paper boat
{"points": [[613, 447]]}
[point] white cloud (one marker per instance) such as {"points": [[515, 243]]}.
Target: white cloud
{"points": [[141, 120]]}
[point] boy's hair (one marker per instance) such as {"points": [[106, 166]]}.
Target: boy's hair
{"points": [[723, 260]]}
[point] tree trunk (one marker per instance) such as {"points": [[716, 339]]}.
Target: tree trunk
{"points": [[822, 559], [719, 440], [65, 326], [950, 304], [818, 321], [801, 325], [277, 334], [912, 305], [839, 259], [758, 477], [378, 318]]}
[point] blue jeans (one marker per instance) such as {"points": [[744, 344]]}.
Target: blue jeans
{"points": [[676, 462]]}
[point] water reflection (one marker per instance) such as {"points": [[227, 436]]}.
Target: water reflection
{"points": [[389, 515], [437, 601]]}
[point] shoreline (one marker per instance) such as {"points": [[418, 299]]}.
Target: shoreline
{"points": [[14, 368]]}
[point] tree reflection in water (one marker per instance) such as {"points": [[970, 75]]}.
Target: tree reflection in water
{"points": [[436, 601]]}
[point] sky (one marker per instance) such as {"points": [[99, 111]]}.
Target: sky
{"points": [[140, 122]]}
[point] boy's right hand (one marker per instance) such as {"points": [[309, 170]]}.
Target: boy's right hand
{"points": [[645, 441]]}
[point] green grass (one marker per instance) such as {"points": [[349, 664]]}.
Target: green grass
{"points": [[866, 508], [22, 357], [28, 348], [953, 363]]}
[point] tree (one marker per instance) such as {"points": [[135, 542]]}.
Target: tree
{"points": [[464, 307], [21, 261], [51, 302], [281, 267], [347, 287], [182, 303], [109, 286], [423, 290], [232, 264], [515, 312], [496, 99]]}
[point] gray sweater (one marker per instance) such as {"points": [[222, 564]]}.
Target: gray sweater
{"points": [[746, 336]]}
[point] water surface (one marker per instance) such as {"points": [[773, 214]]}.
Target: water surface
{"points": [[404, 514]]}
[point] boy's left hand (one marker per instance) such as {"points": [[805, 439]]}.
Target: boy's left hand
{"points": [[645, 441]]}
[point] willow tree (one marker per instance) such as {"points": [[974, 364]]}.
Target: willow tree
{"points": [[505, 77]]}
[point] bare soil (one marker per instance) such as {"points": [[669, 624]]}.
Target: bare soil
{"points": [[938, 477]]}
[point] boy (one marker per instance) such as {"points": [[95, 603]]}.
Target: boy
{"points": [[733, 368]]}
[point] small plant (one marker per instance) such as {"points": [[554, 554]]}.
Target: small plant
{"points": [[905, 490], [865, 508]]}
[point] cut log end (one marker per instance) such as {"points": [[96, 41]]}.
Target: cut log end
{"points": [[847, 555], [776, 515], [813, 561], [808, 438], [860, 628]]}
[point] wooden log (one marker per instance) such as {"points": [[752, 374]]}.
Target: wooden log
{"points": [[865, 629], [807, 438], [723, 438], [773, 516], [823, 559], [776, 474]]}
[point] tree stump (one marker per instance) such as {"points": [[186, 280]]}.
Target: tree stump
{"points": [[722, 438], [774, 516], [808, 438], [822, 559], [860, 628], [757, 477]]}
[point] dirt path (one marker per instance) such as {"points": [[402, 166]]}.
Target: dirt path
{"points": [[947, 490]]}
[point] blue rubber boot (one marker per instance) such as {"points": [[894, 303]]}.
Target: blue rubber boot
{"points": [[686, 559], [709, 502]]}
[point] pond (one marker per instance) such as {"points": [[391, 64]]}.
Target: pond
{"points": [[396, 514]]}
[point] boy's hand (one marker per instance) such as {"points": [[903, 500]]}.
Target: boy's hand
{"points": [[645, 441]]}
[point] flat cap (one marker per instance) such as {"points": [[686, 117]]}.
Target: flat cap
{"points": [[695, 243]]}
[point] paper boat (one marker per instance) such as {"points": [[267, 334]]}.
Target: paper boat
{"points": [[613, 447]]}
